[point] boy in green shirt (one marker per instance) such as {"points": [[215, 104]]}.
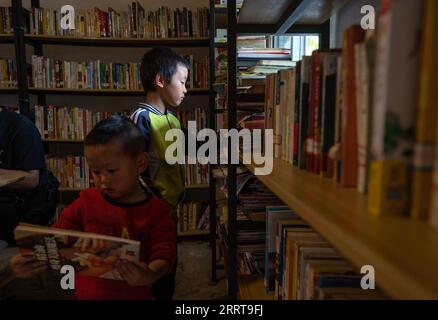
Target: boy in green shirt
{"points": [[163, 74]]}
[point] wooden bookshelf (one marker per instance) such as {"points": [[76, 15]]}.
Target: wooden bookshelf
{"points": [[251, 287], [9, 177], [8, 90], [117, 42], [6, 38], [402, 251], [104, 92]]}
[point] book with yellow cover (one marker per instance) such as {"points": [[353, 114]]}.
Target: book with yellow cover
{"points": [[427, 116], [395, 100]]}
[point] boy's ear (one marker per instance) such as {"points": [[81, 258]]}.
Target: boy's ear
{"points": [[159, 81], [142, 162]]}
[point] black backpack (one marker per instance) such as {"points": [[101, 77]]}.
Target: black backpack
{"points": [[41, 205]]}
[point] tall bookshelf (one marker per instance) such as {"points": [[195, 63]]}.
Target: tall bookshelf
{"points": [[281, 17], [401, 250], [40, 42]]}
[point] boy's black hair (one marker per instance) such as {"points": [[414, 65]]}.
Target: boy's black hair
{"points": [[117, 128], [160, 60]]}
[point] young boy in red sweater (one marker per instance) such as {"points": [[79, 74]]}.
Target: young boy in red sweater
{"points": [[120, 206]]}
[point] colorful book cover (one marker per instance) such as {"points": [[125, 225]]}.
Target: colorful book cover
{"points": [[425, 141], [90, 254], [395, 103]]}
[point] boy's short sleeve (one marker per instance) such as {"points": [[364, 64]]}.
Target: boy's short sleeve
{"points": [[141, 119]]}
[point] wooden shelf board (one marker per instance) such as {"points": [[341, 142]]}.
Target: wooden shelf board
{"points": [[268, 14], [65, 91], [70, 189], [193, 233], [251, 287], [403, 252], [63, 140], [198, 186], [6, 38], [118, 42]]}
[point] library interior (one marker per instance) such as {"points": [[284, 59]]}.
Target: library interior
{"points": [[345, 89]]}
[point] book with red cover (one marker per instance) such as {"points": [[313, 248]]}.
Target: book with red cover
{"points": [[349, 150]]}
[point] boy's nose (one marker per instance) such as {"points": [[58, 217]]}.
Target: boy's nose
{"points": [[103, 180]]}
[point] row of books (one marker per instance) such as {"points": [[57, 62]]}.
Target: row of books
{"points": [[195, 174], [137, 22], [192, 216], [8, 73], [352, 115], [253, 197], [198, 75], [6, 26], [54, 73], [62, 123], [72, 172], [301, 265]]}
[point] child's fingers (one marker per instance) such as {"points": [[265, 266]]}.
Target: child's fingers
{"points": [[85, 244], [130, 267]]}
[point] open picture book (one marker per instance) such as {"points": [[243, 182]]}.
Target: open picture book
{"points": [[89, 254]]}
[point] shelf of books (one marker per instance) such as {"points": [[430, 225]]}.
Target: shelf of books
{"points": [[134, 23], [397, 248], [8, 90], [116, 42], [353, 147], [193, 218]]}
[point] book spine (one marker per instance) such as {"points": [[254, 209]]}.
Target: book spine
{"points": [[426, 139], [394, 103], [349, 153]]}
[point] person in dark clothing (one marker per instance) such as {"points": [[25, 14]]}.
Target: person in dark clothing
{"points": [[21, 151]]}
